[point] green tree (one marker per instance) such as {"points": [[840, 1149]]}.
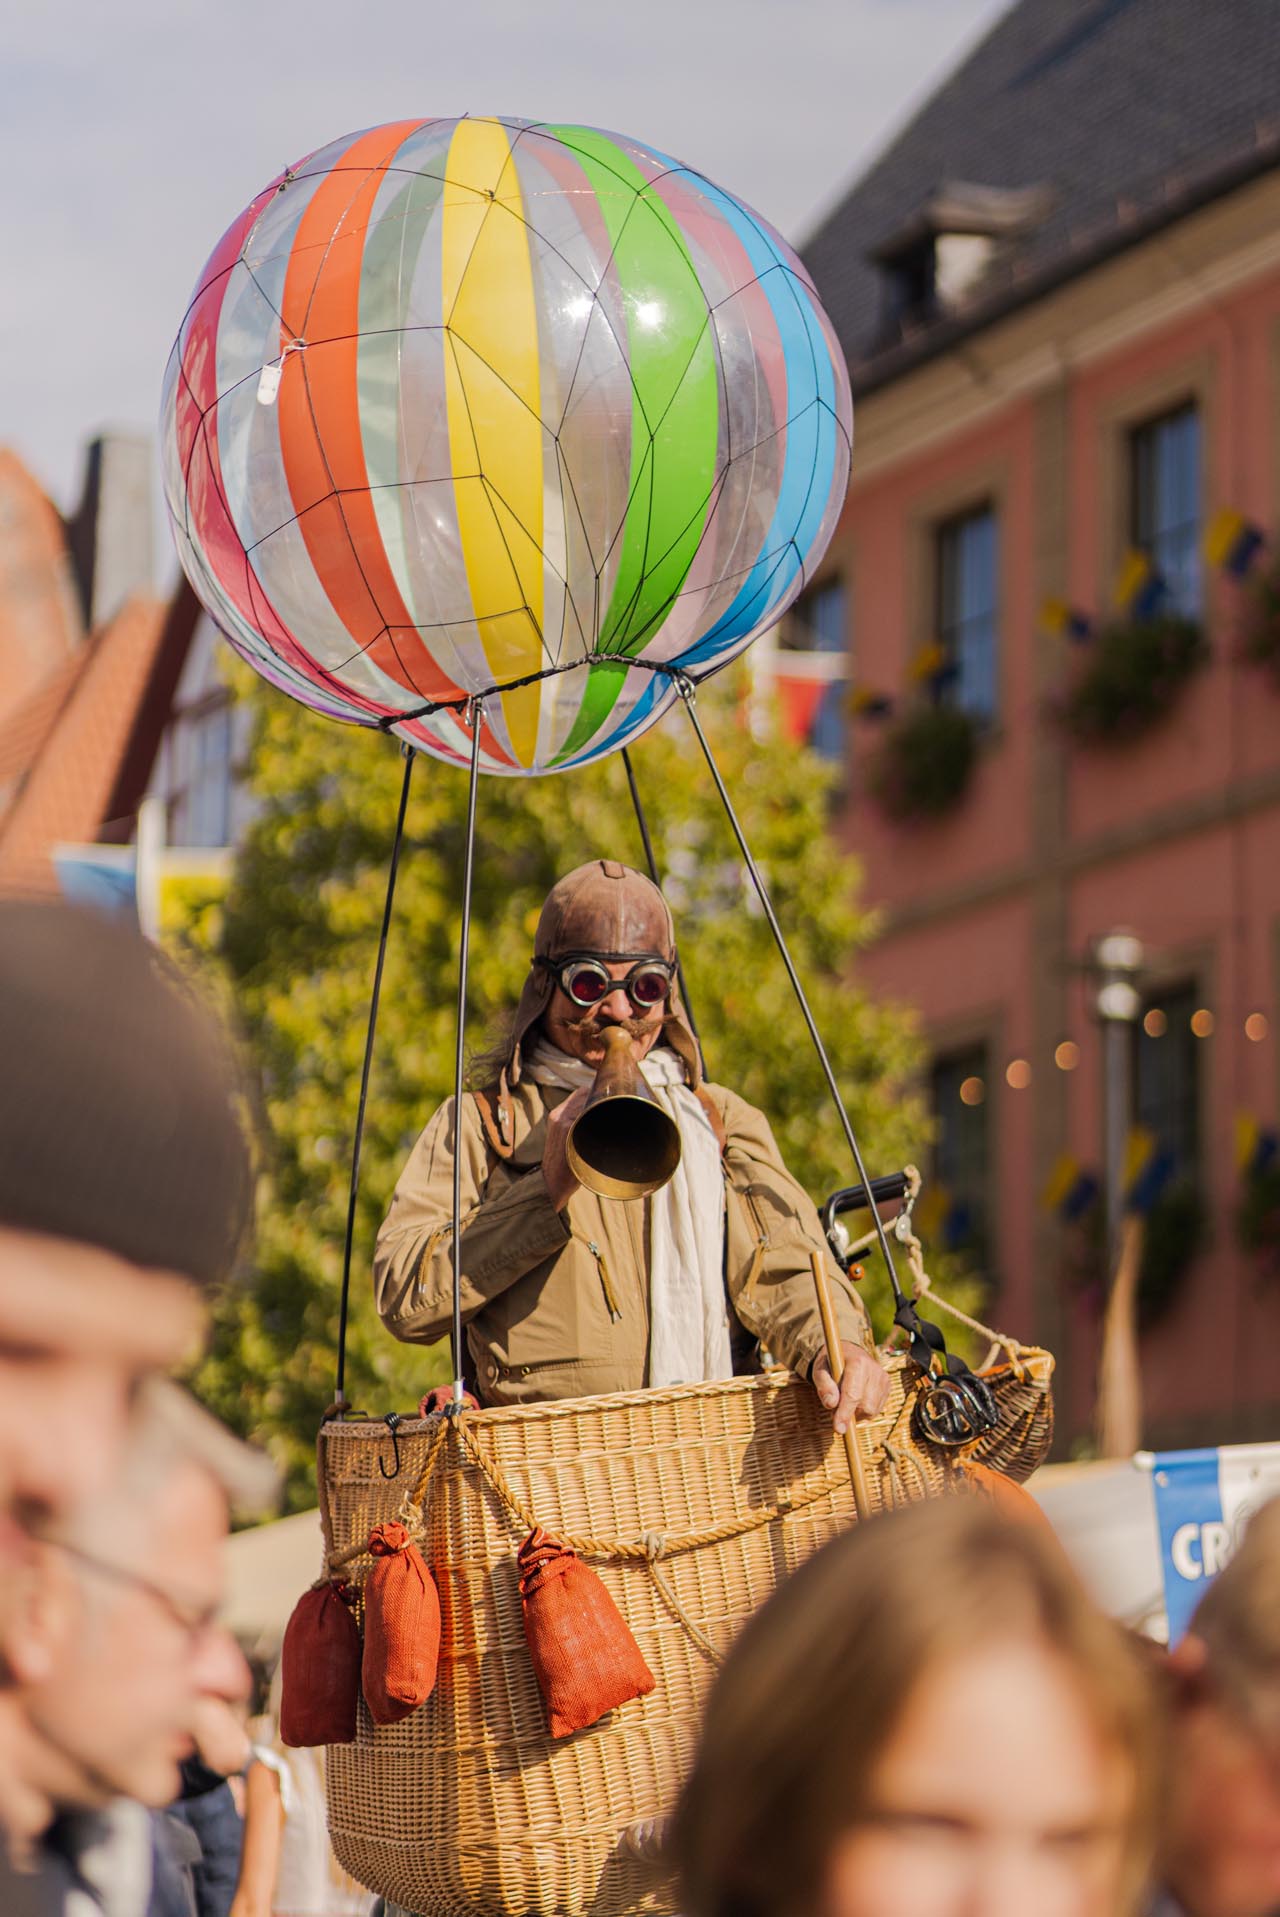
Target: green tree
{"points": [[296, 946]]}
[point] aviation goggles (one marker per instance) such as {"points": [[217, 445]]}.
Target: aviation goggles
{"points": [[588, 981]]}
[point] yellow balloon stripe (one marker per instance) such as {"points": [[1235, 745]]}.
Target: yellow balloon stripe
{"points": [[492, 391]]}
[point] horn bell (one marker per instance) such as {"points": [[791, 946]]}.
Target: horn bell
{"points": [[622, 1144]]}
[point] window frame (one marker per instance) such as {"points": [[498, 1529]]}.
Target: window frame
{"points": [[831, 667], [189, 724], [953, 1044], [1187, 986], [947, 692], [983, 482], [1192, 379], [1142, 431]]}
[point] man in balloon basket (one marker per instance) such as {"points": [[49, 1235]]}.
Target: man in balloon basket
{"points": [[588, 1264]]}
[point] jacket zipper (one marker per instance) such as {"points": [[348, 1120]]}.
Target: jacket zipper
{"points": [[506, 1372], [606, 1282]]}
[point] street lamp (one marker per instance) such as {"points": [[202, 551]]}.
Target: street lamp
{"points": [[1117, 959]]}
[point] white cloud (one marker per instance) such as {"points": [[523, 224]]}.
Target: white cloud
{"points": [[131, 134]]}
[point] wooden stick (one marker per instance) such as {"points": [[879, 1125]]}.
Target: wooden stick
{"points": [[835, 1360]]}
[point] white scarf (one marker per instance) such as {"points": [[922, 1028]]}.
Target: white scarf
{"points": [[688, 1312]]}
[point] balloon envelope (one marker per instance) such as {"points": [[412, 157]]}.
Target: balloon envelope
{"points": [[487, 407]]}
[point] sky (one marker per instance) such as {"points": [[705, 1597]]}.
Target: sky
{"points": [[133, 131]]}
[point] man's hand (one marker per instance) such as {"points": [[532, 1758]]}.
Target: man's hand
{"points": [[561, 1183], [862, 1389]]}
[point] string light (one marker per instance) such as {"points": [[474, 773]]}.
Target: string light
{"points": [[1018, 1074], [1067, 1055], [1202, 1022], [1256, 1026], [972, 1091], [1155, 1024]]}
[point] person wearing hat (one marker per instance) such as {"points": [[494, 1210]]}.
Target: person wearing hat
{"points": [[125, 1187], [566, 1294]]}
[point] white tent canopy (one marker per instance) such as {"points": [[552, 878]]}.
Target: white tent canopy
{"points": [[268, 1569]]}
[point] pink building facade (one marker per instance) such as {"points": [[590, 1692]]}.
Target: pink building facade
{"points": [[1001, 482]]}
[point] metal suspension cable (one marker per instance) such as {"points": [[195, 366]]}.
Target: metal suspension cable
{"points": [[652, 863], [468, 865], [685, 688], [339, 1396]]}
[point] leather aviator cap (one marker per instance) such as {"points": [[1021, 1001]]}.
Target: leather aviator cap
{"points": [[613, 912]]}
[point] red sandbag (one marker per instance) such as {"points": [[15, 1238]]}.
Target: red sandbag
{"points": [[1009, 1498], [441, 1398], [320, 1668], [401, 1626], [586, 1660]]}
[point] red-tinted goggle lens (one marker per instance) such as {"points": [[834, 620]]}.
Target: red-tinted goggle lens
{"points": [[588, 983]]}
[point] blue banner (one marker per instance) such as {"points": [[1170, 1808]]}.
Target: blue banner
{"points": [[1194, 1539]]}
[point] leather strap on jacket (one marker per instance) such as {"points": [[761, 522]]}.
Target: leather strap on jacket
{"points": [[494, 1107], [715, 1118]]}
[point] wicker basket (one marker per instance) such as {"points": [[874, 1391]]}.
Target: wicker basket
{"points": [[1023, 1387], [692, 1504]]}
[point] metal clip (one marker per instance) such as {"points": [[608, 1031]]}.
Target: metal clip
{"points": [[954, 1411], [391, 1420]]}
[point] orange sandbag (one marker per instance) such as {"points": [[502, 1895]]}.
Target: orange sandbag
{"points": [[1011, 1499], [586, 1660], [320, 1668], [401, 1626]]}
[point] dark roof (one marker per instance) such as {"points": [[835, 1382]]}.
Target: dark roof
{"points": [[1127, 111]]}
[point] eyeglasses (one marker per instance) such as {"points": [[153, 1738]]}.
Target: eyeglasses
{"points": [[194, 1619], [588, 981]]}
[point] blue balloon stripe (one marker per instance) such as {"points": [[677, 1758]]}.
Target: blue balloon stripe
{"points": [[780, 569], [810, 377], [640, 715]]}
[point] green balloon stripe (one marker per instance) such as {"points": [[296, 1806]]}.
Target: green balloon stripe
{"points": [[675, 416]]}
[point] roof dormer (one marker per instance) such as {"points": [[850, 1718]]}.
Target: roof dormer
{"points": [[943, 254]]}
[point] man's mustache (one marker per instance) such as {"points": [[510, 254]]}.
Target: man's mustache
{"points": [[590, 1026]]}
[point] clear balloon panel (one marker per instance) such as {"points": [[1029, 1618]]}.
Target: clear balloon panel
{"points": [[483, 408]]}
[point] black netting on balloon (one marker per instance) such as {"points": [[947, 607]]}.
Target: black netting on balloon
{"points": [[577, 642]]}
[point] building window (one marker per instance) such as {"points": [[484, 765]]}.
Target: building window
{"points": [[1165, 505], [200, 809], [968, 610], [812, 667], [817, 619], [959, 1085], [1166, 1078]]}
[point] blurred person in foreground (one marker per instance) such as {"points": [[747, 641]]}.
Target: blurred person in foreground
{"points": [[124, 1196], [930, 1719], [1220, 1845], [110, 1633]]}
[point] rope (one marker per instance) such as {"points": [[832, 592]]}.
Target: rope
{"points": [[655, 1547], [895, 1460], [412, 1506], [637, 1550], [922, 1287]]}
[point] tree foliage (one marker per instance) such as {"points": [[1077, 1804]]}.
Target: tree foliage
{"points": [[295, 947]]}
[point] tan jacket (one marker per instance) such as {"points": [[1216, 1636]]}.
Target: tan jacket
{"points": [[557, 1303]]}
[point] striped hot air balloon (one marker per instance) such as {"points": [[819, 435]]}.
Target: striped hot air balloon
{"points": [[487, 408]]}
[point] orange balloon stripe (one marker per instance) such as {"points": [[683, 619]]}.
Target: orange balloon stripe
{"points": [[320, 417]]}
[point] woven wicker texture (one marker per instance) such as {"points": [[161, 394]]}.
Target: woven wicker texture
{"points": [[469, 1806], [1023, 1388]]}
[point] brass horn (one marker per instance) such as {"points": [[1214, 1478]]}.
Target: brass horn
{"points": [[622, 1144]]}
